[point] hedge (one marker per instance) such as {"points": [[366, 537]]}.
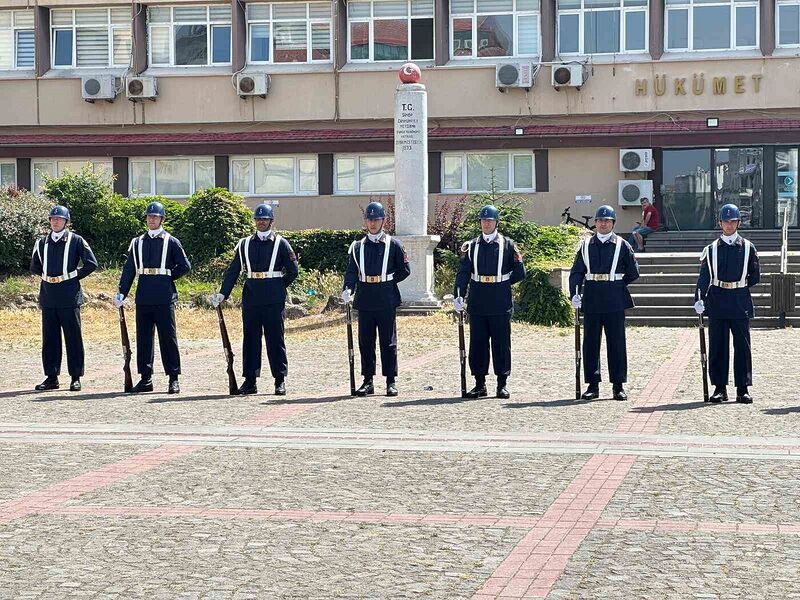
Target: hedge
{"points": [[322, 249], [23, 219]]}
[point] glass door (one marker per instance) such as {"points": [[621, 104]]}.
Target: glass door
{"points": [[687, 192], [786, 185], [738, 179]]}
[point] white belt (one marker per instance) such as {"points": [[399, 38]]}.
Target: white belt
{"points": [[491, 278], [154, 271], [60, 278], [604, 277], [265, 274], [377, 278], [729, 285]]}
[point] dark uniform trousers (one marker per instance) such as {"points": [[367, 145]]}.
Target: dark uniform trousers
{"points": [[54, 321], [160, 317], [719, 337], [380, 324], [613, 324], [266, 320], [486, 329]]}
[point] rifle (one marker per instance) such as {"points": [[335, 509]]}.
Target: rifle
{"points": [[462, 350], [233, 388], [703, 356], [578, 355], [350, 352], [126, 350]]}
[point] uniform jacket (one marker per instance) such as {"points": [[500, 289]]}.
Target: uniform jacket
{"points": [[723, 303], [261, 292], [66, 294], [382, 295], [604, 296], [489, 298], [154, 289]]}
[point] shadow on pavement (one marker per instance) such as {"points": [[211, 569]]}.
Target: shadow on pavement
{"points": [[553, 403], [781, 411], [430, 401], [179, 398], [673, 407], [14, 394], [71, 396], [308, 400]]}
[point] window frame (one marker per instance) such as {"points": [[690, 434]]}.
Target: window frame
{"points": [[310, 22], [690, 5], [153, 179], [15, 29], [13, 164], [371, 23], [101, 161], [623, 12], [110, 29], [510, 155], [515, 15], [209, 24], [297, 192], [357, 174], [778, 4]]}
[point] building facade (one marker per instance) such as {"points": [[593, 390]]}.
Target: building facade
{"points": [[706, 91]]}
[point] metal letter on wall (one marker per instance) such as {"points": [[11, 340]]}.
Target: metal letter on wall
{"points": [[641, 87], [719, 85], [660, 85]]}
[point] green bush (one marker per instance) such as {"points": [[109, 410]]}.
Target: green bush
{"points": [[539, 302], [23, 219], [214, 220], [322, 249]]}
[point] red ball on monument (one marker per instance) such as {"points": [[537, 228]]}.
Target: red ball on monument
{"points": [[410, 73]]}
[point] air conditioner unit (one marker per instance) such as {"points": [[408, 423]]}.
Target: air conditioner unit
{"points": [[567, 75], [252, 84], [141, 88], [631, 191], [636, 160], [514, 74], [99, 87]]}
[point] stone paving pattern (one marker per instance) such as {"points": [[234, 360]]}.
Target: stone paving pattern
{"points": [[452, 507]]}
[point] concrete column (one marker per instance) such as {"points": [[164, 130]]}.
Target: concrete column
{"points": [[340, 34], [656, 29], [548, 30], [238, 36], [42, 40], [24, 173], [411, 192], [139, 38], [120, 167], [441, 27], [221, 172], [767, 21]]}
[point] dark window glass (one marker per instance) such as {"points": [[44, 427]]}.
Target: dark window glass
{"points": [[496, 35], [686, 189], [739, 180], [191, 45], [63, 50], [422, 39]]}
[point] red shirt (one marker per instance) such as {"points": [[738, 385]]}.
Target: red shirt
{"points": [[655, 218]]}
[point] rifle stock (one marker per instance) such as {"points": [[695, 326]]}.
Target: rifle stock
{"points": [[350, 350], [233, 388], [126, 350]]}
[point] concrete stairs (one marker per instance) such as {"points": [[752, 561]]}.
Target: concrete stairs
{"points": [[664, 294], [766, 240]]}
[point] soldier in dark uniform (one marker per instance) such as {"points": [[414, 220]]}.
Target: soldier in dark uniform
{"points": [[61, 259], [728, 269], [158, 259], [604, 265], [377, 264], [270, 266], [490, 265]]}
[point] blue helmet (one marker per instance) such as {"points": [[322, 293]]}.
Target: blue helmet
{"points": [[606, 212], [60, 211], [489, 212], [155, 208], [263, 211], [729, 212], [375, 210]]}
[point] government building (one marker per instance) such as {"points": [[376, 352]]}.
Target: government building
{"points": [[569, 103]]}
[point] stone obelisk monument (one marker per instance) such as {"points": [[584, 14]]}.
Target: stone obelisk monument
{"points": [[411, 188]]}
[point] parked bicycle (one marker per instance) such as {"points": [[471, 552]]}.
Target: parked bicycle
{"points": [[570, 220]]}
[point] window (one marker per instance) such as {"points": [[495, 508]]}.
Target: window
{"points": [[8, 173], [91, 37], [176, 177], [474, 172], [602, 26], [16, 39], [280, 33], [278, 175], [788, 24], [786, 185], [715, 25], [494, 28], [189, 35], [46, 168], [364, 174], [386, 30]]}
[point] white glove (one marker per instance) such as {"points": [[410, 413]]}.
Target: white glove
{"points": [[216, 299], [459, 304], [699, 307], [346, 295], [118, 299], [576, 302]]}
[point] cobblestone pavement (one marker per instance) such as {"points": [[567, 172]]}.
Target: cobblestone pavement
{"points": [[318, 495]]}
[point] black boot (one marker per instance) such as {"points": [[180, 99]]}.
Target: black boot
{"points": [[479, 391], [367, 388], [720, 394], [174, 386], [248, 386], [75, 385], [592, 392], [144, 385], [619, 392], [502, 391], [280, 388], [51, 383], [743, 396], [391, 387]]}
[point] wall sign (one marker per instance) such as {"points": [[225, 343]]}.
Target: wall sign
{"points": [[697, 85]]}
